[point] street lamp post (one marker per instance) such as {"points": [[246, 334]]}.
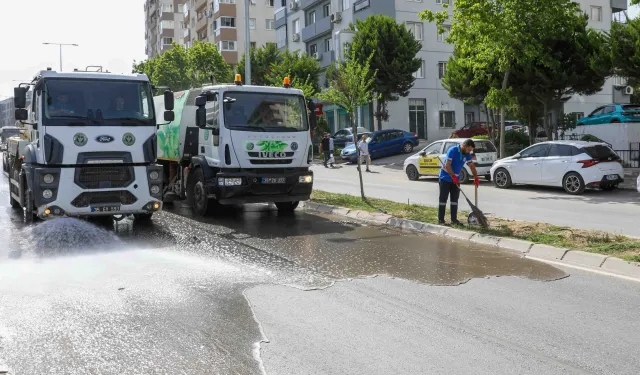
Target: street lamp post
{"points": [[247, 45], [60, 45]]}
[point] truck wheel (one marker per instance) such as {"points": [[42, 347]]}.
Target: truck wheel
{"points": [[29, 215], [197, 194], [14, 203], [287, 207]]}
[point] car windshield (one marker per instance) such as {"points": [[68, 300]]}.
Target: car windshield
{"points": [[97, 102], [251, 111], [601, 152], [482, 147]]}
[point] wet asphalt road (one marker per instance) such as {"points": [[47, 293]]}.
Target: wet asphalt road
{"points": [[250, 292]]}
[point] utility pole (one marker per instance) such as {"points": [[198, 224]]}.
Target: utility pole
{"points": [[60, 45], [247, 45]]}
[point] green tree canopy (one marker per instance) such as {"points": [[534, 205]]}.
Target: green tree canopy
{"points": [[262, 58], [205, 61], [624, 42], [394, 50], [301, 68]]}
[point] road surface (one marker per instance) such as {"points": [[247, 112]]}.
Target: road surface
{"points": [[615, 212], [252, 292]]}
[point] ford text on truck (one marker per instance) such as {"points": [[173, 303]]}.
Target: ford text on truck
{"points": [[235, 144], [89, 146]]}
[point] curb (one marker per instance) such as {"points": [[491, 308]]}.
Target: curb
{"points": [[575, 258]]}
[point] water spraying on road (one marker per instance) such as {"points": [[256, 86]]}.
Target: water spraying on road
{"points": [[69, 235]]}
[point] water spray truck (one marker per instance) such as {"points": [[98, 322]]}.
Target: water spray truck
{"points": [[88, 146], [237, 144]]}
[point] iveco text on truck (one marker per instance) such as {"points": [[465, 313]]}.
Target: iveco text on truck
{"points": [[235, 144], [89, 146]]}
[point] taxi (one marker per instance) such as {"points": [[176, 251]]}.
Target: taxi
{"points": [[428, 161]]}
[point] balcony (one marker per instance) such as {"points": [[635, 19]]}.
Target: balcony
{"points": [[305, 4], [321, 27], [200, 4], [326, 58], [280, 17], [618, 5]]}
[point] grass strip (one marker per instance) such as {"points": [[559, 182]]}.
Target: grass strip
{"points": [[575, 239]]}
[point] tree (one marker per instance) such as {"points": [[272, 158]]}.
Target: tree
{"points": [[261, 59], [624, 42], [301, 68], [504, 36], [394, 50], [206, 61], [352, 85]]}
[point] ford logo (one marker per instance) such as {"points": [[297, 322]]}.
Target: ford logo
{"points": [[104, 138]]}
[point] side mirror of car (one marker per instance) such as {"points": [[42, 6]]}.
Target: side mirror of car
{"points": [[423, 153]]}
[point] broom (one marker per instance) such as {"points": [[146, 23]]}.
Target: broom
{"points": [[475, 211]]}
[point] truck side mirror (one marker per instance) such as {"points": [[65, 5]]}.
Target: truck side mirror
{"points": [[168, 100], [201, 117], [169, 116], [21, 114], [201, 101], [20, 97]]}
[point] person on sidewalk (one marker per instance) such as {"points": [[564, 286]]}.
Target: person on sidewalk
{"points": [[331, 153], [455, 160], [363, 148], [326, 144]]}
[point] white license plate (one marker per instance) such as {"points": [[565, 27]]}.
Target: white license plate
{"points": [[105, 209], [612, 177], [274, 180]]}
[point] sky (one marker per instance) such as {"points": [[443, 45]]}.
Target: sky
{"points": [[109, 33]]}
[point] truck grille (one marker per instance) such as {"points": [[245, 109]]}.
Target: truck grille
{"points": [[107, 177], [271, 161], [89, 198]]}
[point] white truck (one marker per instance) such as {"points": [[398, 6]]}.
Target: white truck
{"points": [[235, 144], [88, 147]]}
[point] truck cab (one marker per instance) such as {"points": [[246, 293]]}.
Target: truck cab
{"points": [[242, 144], [89, 146]]}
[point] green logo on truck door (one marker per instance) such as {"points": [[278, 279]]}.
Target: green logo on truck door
{"points": [[272, 146]]}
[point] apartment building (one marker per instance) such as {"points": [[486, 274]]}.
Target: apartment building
{"points": [[7, 111], [223, 22], [163, 25]]}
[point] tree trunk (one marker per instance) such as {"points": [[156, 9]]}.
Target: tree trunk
{"points": [[379, 111], [492, 125], [532, 130], [372, 117], [547, 125], [505, 80], [355, 141]]}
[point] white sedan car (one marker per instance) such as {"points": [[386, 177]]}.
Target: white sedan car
{"points": [[425, 162], [573, 165]]}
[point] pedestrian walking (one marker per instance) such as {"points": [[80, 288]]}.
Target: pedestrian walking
{"points": [[363, 148], [326, 149], [331, 157], [455, 160]]}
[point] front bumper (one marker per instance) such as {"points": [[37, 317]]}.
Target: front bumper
{"points": [[67, 196], [253, 190]]}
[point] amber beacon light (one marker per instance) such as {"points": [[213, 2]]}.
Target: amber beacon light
{"points": [[238, 80], [286, 82]]}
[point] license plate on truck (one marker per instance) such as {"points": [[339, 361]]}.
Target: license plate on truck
{"points": [[105, 209], [274, 180], [612, 177]]}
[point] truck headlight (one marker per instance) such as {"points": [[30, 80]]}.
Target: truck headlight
{"points": [[305, 179], [48, 178], [155, 189], [47, 194], [154, 175]]}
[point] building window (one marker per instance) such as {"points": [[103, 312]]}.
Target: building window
{"points": [[447, 119], [229, 1], [469, 117], [327, 44], [167, 25], [326, 10], [596, 14], [420, 72], [443, 37], [166, 41], [313, 49], [442, 69], [269, 3], [417, 29], [227, 22], [441, 2], [346, 4], [296, 26], [252, 23], [270, 24], [312, 18], [252, 45], [417, 116], [281, 37], [227, 45]]}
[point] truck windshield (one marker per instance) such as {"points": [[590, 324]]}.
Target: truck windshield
{"points": [[97, 102], [254, 111]]}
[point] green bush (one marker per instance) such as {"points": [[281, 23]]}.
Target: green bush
{"points": [[590, 138], [337, 151], [516, 138], [484, 136]]}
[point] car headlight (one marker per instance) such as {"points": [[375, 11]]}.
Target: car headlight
{"points": [[48, 178], [47, 194], [155, 189], [154, 175]]}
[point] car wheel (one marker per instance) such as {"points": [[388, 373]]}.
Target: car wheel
{"points": [[464, 176], [287, 207], [412, 173], [502, 179], [609, 187], [573, 183], [407, 148]]}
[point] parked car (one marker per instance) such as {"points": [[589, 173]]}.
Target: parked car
{"points": [[612, 113], [384, 143], [472, 129], [343, 137], [573, 165], [425, 162]]}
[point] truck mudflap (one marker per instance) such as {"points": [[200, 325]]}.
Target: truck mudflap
{"points": [[261, 186], [96, 190]]}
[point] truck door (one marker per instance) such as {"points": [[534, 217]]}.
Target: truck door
{"points": [[210, 138]]}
